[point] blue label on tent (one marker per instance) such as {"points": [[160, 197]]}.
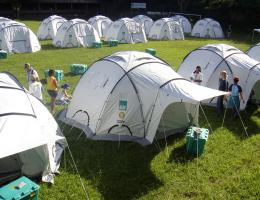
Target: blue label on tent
{"points": [[122, 104]]}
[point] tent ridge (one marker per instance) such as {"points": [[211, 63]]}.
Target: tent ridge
{"points": [[16, 113]]}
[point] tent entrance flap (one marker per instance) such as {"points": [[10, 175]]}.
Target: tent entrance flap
{"points": [[175, 119]]}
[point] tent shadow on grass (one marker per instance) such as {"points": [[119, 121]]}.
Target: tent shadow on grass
{"points": [[123, 173], [234, 125]]}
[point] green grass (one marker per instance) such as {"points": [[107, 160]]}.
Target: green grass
{"points": [[228, 169]]}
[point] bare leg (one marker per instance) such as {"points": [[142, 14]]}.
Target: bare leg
{"points": [[52, 104]]}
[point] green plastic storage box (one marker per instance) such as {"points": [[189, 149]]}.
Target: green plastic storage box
{"points": [[113, 43], [77, 69], [3, 54], [150, 51], [97, 44], [195, 140], [58, 74], [20, 189]]}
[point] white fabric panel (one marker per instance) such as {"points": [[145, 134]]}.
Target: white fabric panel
{"points": [[34, 161], [19, 133], [188, 92], [145, 21], [207, 60], [21, 136], [124, 91], [230, 59], [127, 59], [98, 81], [252, 81], [166, 29], [208, 28], [17, 38], [101, 24], [9, 103], [48, 27], [254, 52], [124, 29], [148, 75], [184, 22], [75, 33]]}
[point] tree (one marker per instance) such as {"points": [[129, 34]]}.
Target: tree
{"points": [[183, 4]]}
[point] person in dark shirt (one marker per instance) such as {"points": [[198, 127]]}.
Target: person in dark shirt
{"points": [[236, 91], [223, 86]]}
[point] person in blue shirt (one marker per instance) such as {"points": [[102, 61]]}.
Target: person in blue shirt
{"points": [[223, 86], [236, 91]]}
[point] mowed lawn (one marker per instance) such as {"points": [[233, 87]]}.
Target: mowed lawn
{"points": [[228, 169]]}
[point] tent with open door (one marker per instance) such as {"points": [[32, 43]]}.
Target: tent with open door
{"points": [[134, 96], [166, 29], [75, 33], [49, 26], [15, 37], [207, 28], [184, 22], [126, 30], [31, 142], [145, 21], [101, 24], [214, 58], [254, 52]]}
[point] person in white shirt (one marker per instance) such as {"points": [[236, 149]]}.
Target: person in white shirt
{"points": [[197, 76], [31, 75], [36, 88], [63, 98]]}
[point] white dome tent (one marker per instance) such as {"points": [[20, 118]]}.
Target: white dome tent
{"points": [[214, 58], [123, 97], [75, 33], [15, 37], [184, 22], [145, 21], [126, 30], [101, 24], [166, 29], [254, 52], [207, 28], [31, 142], [3, 20], [49, 27]]}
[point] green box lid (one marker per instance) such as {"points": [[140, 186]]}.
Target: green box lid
{"points": [[18, 189]]}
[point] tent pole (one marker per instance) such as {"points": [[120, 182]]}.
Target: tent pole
{"points": [[224, 116], [239, 116], [206, 118]]}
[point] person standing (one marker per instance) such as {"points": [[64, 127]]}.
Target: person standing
{"points": [[31, 75], [52, 88], [234, 100], [197, 76], [223, 86]]}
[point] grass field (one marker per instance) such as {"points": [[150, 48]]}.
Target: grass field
{"points": [[228, 169]]}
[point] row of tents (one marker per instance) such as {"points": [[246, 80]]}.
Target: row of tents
{"points": [[78, 32], [16, 37], [131, 96]]}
